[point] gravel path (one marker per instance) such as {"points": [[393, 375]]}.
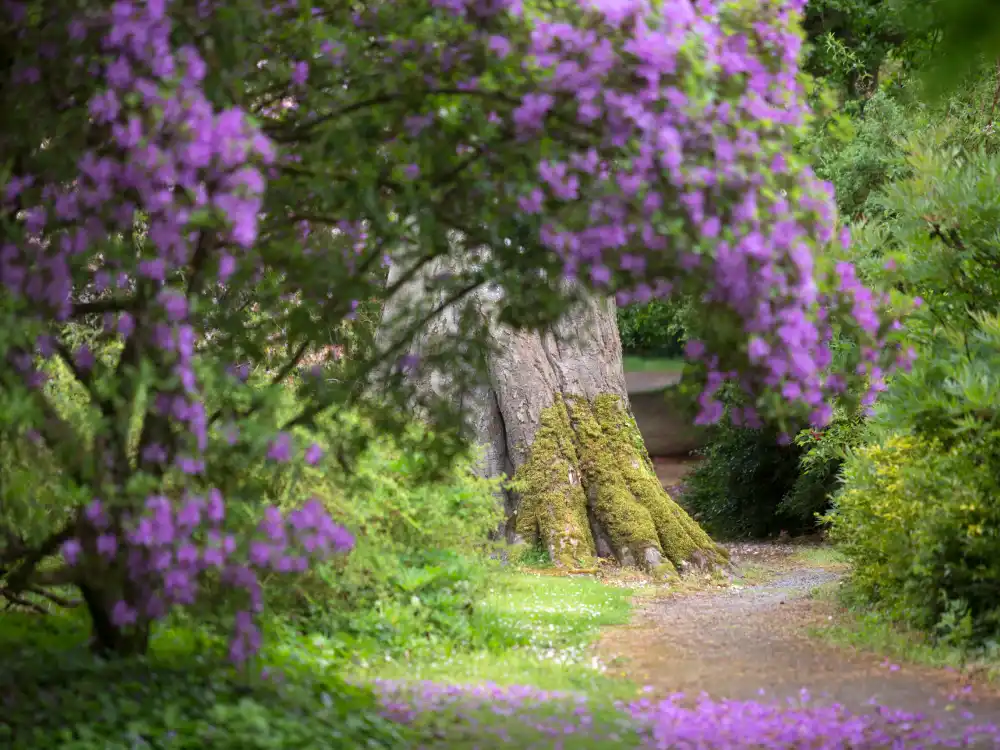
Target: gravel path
{"points": [[734, 643]]}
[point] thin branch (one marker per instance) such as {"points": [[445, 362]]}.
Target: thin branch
{"points": [[311, 412], [292, 363], [303, 129], [283, 373], [20, 576], [14, 598], [198, 262], [59, 601], [99, 307]]}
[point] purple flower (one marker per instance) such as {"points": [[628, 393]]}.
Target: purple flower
{"points": [[71, 550], [122, 615], [84, 358], [313, 454], [300, 73], [280, 449]]}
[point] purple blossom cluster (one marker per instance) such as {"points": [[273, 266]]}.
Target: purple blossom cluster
{"points": [[169, 548], [689, 186], [185, 178], [560, 720]]}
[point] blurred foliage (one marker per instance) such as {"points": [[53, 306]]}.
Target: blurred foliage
{"points": [[655, 329]]}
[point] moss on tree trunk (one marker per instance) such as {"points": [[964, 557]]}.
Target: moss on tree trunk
{"points": [[588, 489]]}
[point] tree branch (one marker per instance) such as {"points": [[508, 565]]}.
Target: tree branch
{"points": [[20, 577], [304, 128], [99, 307], [311, 412]]}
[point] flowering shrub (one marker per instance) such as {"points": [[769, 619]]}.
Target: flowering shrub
{"points": [[197, 188]]}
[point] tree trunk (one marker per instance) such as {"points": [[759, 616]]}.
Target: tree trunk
{"points": [[552, 412], [107, 638]]}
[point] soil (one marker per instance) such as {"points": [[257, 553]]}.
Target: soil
{"points": [[754, 643]]}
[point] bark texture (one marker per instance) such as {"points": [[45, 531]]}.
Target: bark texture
{"points": [[552, 412]]}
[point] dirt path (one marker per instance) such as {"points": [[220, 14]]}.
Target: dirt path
{"points": [[732, 643]]}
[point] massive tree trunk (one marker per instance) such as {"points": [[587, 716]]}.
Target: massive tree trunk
{"points": [[552, 412]]}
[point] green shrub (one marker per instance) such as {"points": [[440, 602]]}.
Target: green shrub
{"points": [[819, 471], [920, 524], [862, 154], [652, 329], [917, 512], [736, 491], [418, 564], [750, 484]]}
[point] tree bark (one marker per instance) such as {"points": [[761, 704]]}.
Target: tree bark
{"points": [[551, 411]]}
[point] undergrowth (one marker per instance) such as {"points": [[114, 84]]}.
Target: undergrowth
{"points": [[307, 689]]}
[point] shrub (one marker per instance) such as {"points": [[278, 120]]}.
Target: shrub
{"points": [[860, 155], [819, 471], [919, 521], [917, 512], [754, 482], [737, 489], [417, 566], [652, 329], [420, 530], [54, 694]]}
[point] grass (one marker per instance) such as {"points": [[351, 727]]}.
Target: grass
{"points": [[871, 630], [819, 556], [652, 364], [552, 621]]}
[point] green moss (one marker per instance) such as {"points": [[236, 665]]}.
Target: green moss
{"points": [[628, 523], [588, 461], [553, 508]]}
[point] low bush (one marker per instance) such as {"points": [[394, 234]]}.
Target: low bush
{"points": [[417, 567], [736, 491], [919, 523], [820, 464], [917, 513], [751, 485]]}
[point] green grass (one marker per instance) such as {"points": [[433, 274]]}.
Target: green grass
{"points": [[531, 630], [867, 629], [551, 623], [821, 556], [652, 364]]}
